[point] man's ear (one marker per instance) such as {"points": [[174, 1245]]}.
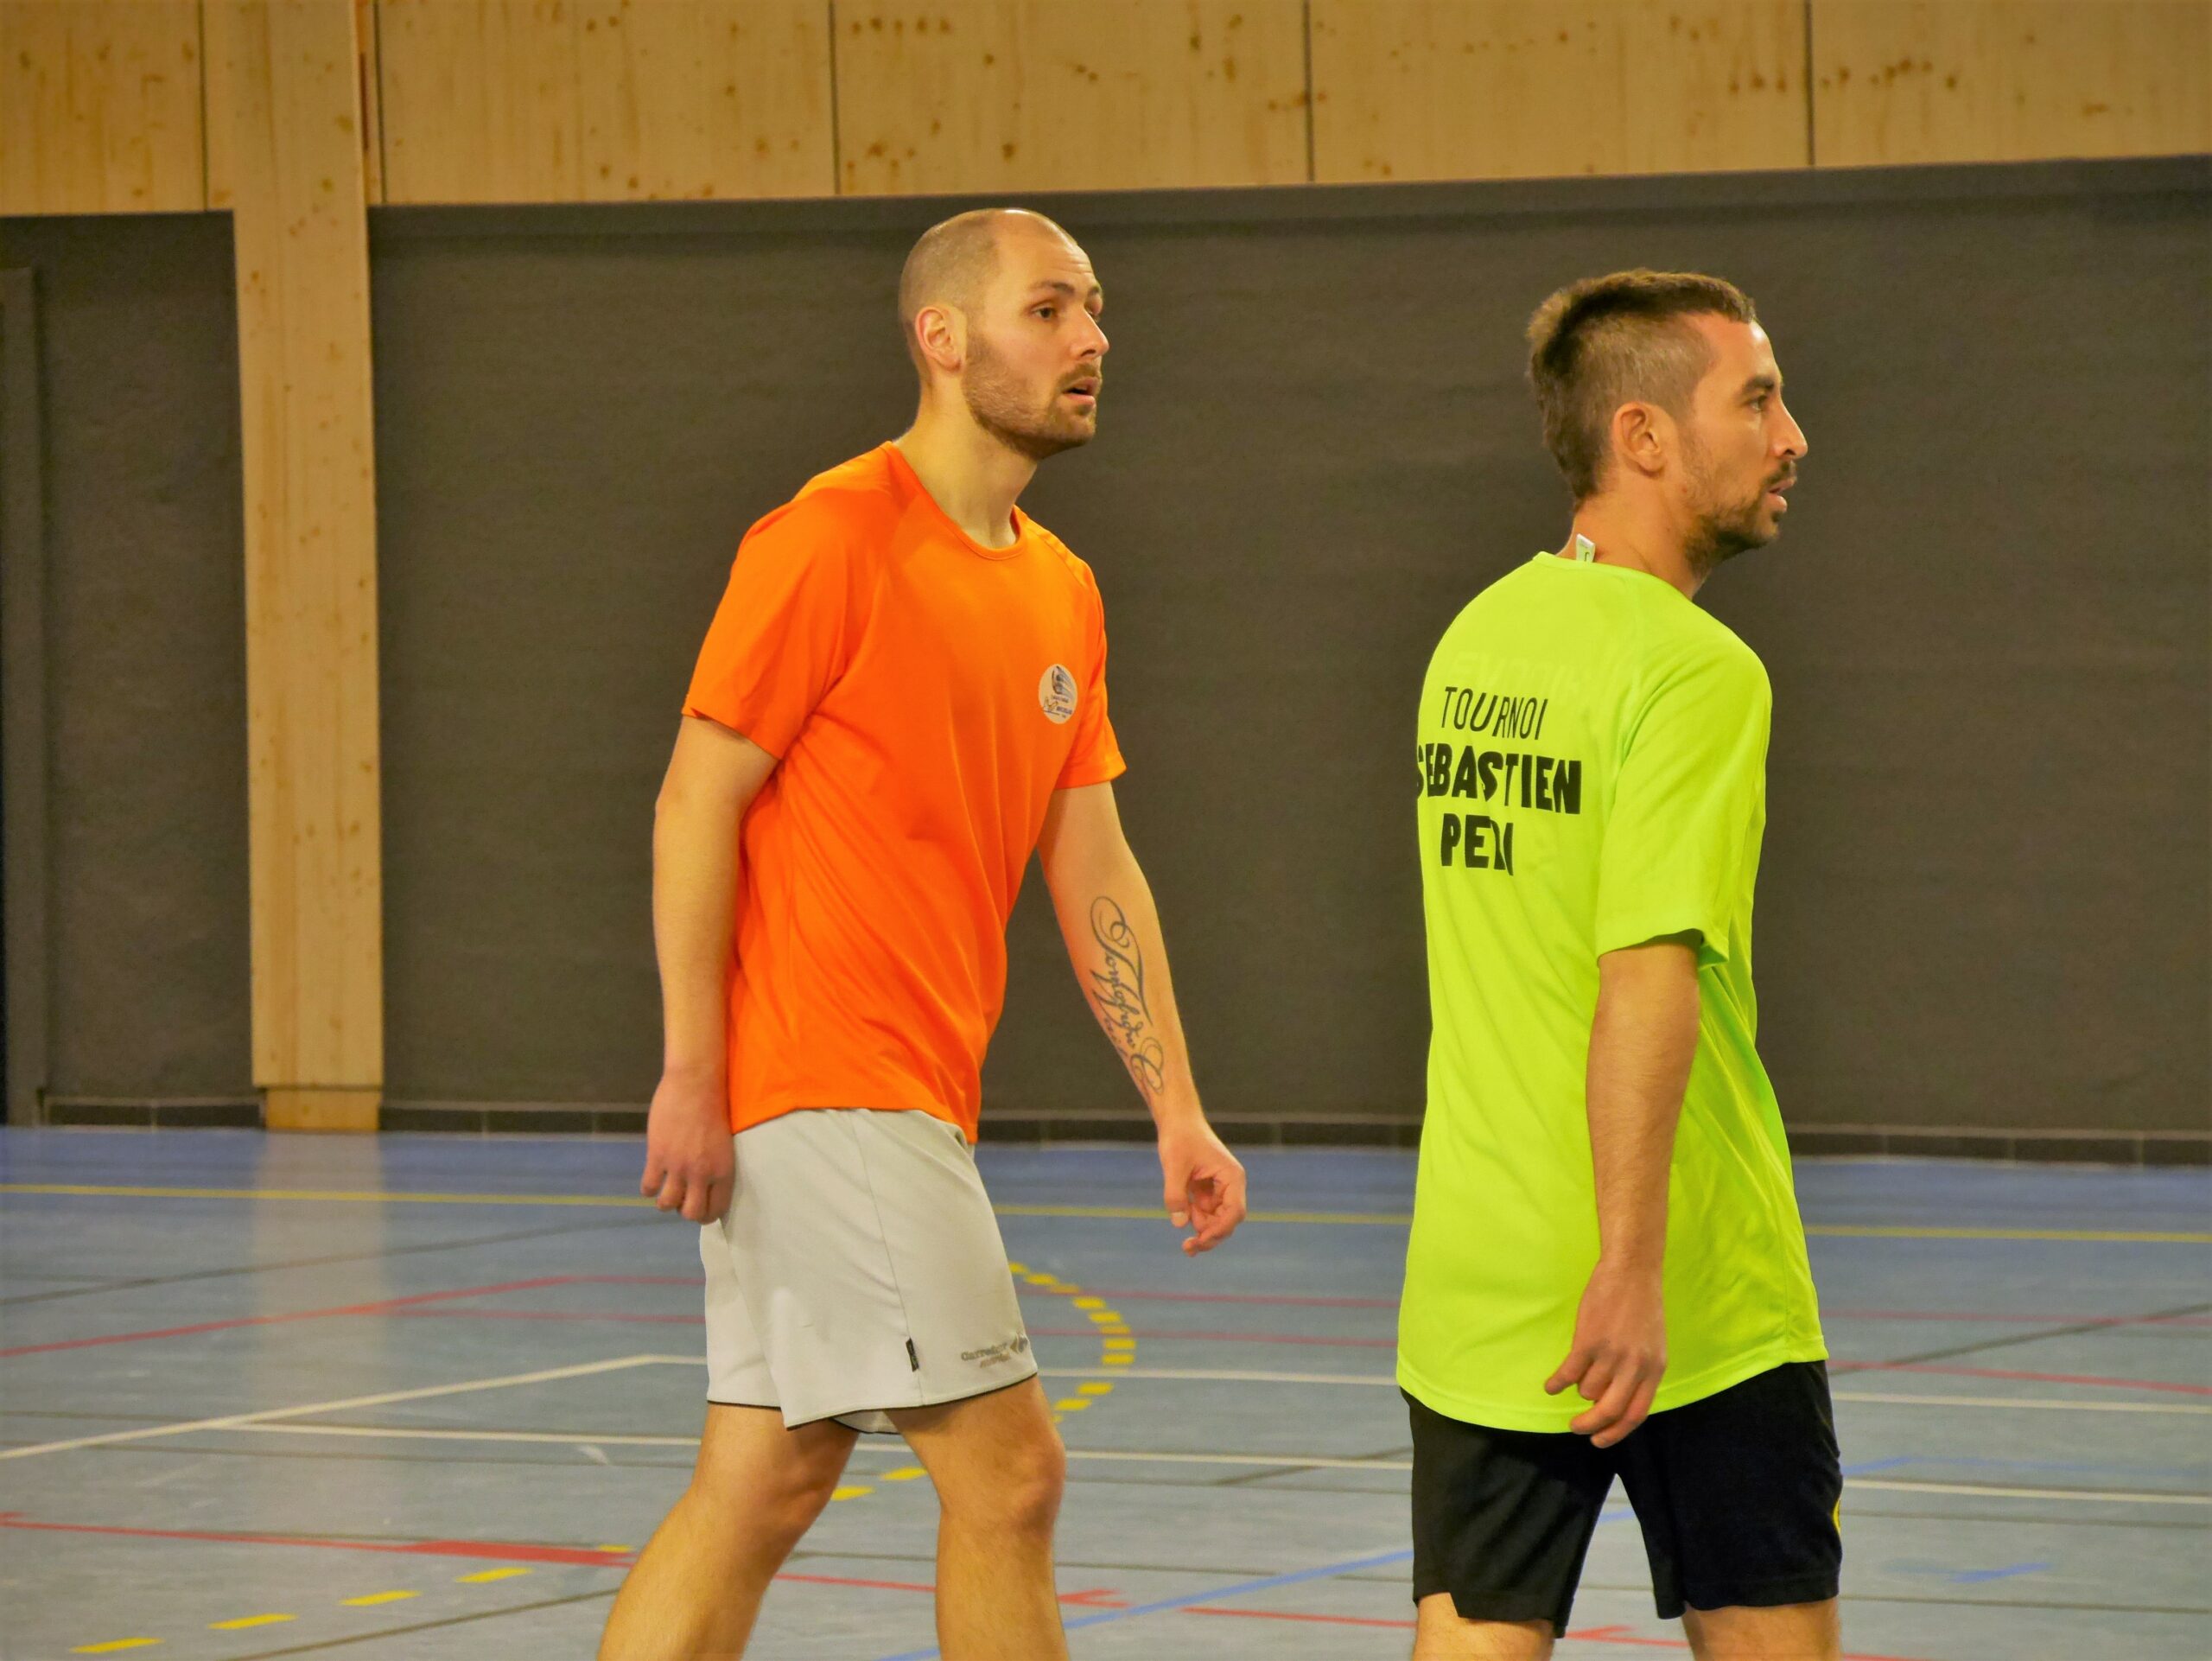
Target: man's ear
{"points": [[942, 334], [1642, 435]]}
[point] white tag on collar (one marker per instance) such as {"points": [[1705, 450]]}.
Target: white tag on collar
{"points": [[1586, 551]]}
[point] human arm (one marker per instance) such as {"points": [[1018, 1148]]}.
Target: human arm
{"points": [[1642, 1041], [1112, 929], [712, 779]]}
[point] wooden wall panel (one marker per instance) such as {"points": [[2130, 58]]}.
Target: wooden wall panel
{"points": [[284, 157], [1490, 89], [100, 107], [605, 100], [1004, 95], [2009, 80]]}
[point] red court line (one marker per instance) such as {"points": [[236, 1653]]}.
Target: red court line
{"points": [[385, 1306], [2034, 1378], [490, 1551]]}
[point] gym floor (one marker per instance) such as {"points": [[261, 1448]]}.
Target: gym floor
{"points": [[420, 1396]]}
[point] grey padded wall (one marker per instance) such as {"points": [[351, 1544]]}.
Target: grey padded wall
{"points": [[1985, 898], [144, 637]]}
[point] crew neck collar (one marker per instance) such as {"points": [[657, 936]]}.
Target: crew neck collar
{"points": [[1022, 523]]}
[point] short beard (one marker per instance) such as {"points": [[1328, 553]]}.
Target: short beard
{"points": [[995, 399], [1722, 531]]}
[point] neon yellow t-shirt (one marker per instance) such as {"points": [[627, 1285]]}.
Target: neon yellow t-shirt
{"points": [[1593, 751]]}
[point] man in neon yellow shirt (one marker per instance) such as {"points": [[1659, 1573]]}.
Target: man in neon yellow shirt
{"points": [[1605, 1204]]}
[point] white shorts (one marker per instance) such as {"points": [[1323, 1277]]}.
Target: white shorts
{"points": [[859, 1268]]}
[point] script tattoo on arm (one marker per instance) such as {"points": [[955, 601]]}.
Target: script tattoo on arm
{"points": [[1117, 988]]}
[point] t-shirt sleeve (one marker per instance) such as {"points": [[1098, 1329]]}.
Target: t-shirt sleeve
{"points": [[780, 638], [1687, 794], [1096, 756]]}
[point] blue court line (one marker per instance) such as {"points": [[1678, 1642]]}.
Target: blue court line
{"points": [[1327, 1571], [1978, 1576]]}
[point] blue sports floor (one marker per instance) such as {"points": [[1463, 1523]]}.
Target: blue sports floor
{"points": [[417, 1397]]}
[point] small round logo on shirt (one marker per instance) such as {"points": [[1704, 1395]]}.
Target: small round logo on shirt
{"points": [[1056, 695]]}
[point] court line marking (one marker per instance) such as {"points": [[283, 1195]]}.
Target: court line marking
{"points": [[246, 1420], [1133, 1456], [1392, 1220]]}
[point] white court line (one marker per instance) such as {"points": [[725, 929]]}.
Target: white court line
{"points": [[249, 1420], [1246, 1462]]}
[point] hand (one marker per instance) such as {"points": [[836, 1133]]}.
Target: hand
{"points": [[1619, 1353], [1205, 1185], [690, 1165]]}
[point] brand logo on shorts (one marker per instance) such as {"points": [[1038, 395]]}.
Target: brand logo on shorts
{"points": [[1056, 695], [1012, 1350]]}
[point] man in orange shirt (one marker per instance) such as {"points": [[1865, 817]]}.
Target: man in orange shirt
{"points": [[902, 696]]}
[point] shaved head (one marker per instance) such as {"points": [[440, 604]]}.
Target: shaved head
{"points": [[953, 263]]}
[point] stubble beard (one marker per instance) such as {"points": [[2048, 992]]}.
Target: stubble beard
{"points": [[999, 405], [1723, 528]]}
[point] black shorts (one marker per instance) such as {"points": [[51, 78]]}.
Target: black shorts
{"points": [[1737, 1496]]}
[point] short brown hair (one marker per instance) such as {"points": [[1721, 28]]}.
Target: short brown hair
{"points": [[1608, 341]]}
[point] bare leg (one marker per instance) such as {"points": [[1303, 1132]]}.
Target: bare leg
{"points": [[1441, 1635], [999, 1467], [1795, 1631], [696, 1587]]}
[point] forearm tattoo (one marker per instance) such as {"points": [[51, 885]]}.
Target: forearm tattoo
{"points": [[1117, 988]]}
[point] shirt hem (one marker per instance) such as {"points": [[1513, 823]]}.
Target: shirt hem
{"points": [[1500, 1416], [741, 1121]]}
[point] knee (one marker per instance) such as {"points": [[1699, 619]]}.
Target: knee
{"points": [[1022, 1494]]}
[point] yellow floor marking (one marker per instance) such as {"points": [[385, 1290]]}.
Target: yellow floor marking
{"points": [[1105, 1318], [1095, 1390], [245, 1621], [1122, 1360], [1352, 1218], [1073, 1404], [113, 1645], [1017, 1268], [611, 1548], [850, 1493], [1089, 1303], [904, 1474], [371, 1598], [484, 1575], [1123, 1343]]}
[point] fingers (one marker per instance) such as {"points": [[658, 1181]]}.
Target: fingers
{"points": [[671, 1196], [1611, 1395], [1569, 1371], [1639, 1409], [649, 1185]]}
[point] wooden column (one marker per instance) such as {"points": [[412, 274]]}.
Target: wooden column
{"points": [[285, 157]]}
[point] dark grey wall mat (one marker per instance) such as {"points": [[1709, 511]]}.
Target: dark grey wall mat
{"points": [[145, 640], [1986, 889]]}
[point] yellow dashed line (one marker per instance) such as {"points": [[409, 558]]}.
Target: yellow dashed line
{"points": [[904, 1474], [484, 1575], [854, 1492], [610, 1548], [1094, 1390], [245, 1621], [1073, 1404], [1089, 1303], [113, 1645], [369, 1599]]}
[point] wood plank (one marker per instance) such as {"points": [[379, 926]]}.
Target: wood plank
{"points": [[1496, 89], [285, 159], [1901, 81], [1004, 95], [320, 1110], [100, 107], [611, 100]]}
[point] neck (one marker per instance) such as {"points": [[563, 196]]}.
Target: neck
{"points": [[1625, 537], [969, 474]]}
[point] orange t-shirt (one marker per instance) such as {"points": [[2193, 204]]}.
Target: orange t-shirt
{"points": [[925, 695]]}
